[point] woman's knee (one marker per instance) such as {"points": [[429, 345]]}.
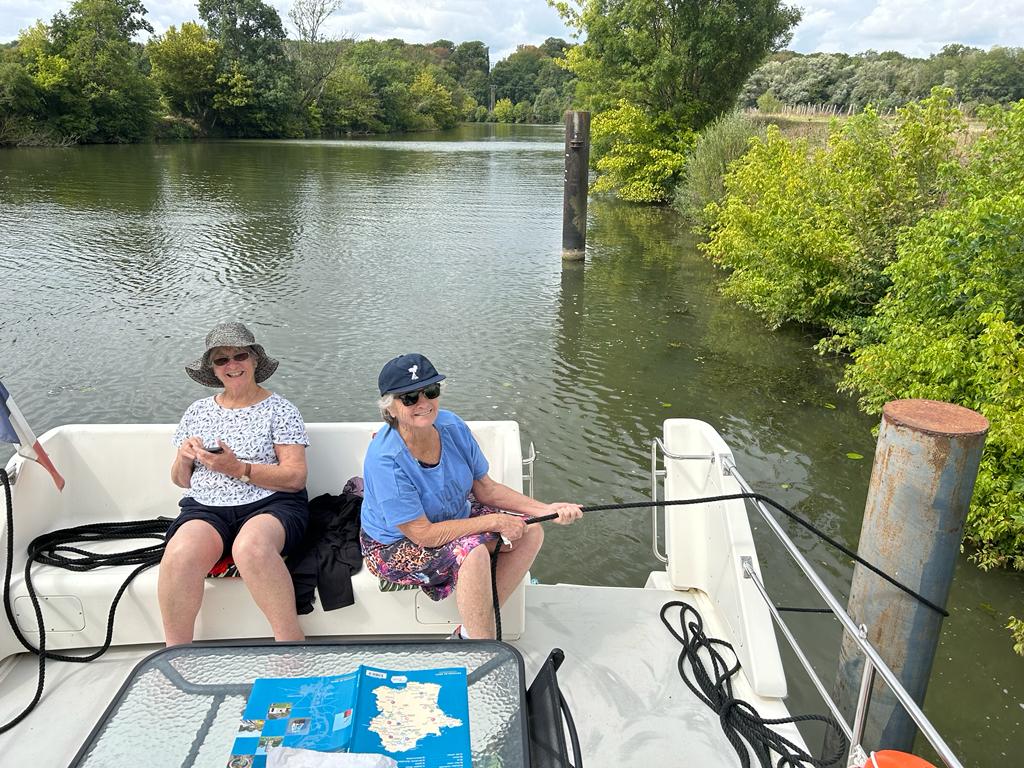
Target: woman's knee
{"points": [[478, 561], [252, 550], [193, 546], [534, 537], [262, 537]]}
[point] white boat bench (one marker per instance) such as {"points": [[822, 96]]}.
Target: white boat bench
{"points": [[122, 472]]}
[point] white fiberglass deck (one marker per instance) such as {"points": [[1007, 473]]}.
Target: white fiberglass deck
{"points": [[619, 677]]}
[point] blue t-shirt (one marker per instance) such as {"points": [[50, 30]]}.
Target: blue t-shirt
{"points": [[398, 489]]}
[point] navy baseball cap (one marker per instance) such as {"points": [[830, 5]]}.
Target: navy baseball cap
{"points": [[407, 373]]}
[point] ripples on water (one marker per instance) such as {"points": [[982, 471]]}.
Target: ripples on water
{"points": [[339, 255]]}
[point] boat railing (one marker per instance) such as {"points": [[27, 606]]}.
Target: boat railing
{"points": [[874, 665], [528, 464], [656, 474]]}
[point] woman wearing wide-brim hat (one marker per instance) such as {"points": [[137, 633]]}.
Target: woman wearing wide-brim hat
{"points": [[242, 462], [431, 514]]}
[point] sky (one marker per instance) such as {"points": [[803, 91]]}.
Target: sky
{"points": [[913, 27]]}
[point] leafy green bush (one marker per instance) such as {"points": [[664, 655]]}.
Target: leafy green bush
{"points": [[639, 158], [1016, 627], [952, 327], [504, 111], [807, 234], [769, 103], [720, 143]]}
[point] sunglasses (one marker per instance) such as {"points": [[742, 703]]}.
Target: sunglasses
{"points": [[411, 398], [241, 357]]}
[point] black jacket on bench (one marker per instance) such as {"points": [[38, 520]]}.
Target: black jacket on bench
{"points": [[328, 555]]}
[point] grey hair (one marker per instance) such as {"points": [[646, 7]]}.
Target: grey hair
{"points": [[386, 401]]}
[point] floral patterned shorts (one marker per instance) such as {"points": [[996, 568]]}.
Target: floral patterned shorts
{"points": [[435, 570]]}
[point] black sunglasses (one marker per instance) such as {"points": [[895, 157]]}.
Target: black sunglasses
{"points": [[411, 398], [241, 357]]}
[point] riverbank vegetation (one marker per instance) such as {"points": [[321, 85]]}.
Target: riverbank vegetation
{"points": [[236, 72], [903, 243]]}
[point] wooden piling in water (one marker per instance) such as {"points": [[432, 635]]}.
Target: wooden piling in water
{"points": [[926, 462], [574, 199]]}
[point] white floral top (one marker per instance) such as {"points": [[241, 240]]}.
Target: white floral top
{"points": [[251, 432]]}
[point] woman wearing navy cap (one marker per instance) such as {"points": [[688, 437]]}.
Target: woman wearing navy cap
{"points": [[429, 503]]}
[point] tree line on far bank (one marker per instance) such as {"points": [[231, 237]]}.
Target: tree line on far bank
{"points": [[850, 83], [235, 72]]}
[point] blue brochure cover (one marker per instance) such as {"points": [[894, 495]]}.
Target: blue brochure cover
{"points": [[420, 718]]}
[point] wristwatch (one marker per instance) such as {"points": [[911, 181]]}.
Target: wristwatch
{"points": [[244, 477]]}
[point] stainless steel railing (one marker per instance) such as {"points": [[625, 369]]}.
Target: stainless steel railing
{"points": [[874, 665]]}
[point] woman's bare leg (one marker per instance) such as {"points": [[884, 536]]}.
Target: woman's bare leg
{"points": [[473, 589], [190, 554], [257, 553]]}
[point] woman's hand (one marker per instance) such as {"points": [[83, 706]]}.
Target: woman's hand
{"points": [[188, 450], [567, 513], [226, 462], [512, 527]]}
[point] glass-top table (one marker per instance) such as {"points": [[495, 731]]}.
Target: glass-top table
{"points": [[181, 706]]}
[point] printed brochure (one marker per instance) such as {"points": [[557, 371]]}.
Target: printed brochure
{"points": [[420, 718]]}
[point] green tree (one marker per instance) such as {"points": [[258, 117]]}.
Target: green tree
{"points": [[184, 68], [640, 159], [256, 85], [470, 65], [515, 76], [685, 60], [549, 106], [348, 104], [19, 95], [434, 102], [769, 103], [316, 54], [720, 144], [94, 72], [523, 112], [504, 111]]}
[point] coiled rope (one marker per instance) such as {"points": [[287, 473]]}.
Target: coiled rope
{"points": [[54, 549], [740, 722]]}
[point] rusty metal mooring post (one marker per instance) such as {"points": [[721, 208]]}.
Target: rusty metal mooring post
{"points": [[926, 462], [574, 201]]}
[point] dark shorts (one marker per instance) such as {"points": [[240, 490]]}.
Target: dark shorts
{"points": [[435, 570], [290, 509]]}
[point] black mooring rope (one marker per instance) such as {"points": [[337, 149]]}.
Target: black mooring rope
{"points": [[741, 723], [52, 549], [772, 503]]}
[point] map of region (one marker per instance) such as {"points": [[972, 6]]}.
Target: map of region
{"points": [[409, 714]]}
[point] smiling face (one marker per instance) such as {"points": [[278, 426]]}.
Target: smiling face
{"points": [[420, 414], [232, 372]]}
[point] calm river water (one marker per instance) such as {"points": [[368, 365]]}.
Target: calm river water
{"points": [[115, 261]]}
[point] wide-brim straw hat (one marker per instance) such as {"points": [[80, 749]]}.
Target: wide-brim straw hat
{"points": [[230, 335]]}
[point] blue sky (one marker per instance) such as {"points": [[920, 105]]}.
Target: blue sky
{"points": [[915, 27]]}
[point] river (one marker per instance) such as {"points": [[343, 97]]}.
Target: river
{"points": [[115, 261]]}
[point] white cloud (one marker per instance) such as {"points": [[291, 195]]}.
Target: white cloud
{"points": [[915, 27], [500, 24]]}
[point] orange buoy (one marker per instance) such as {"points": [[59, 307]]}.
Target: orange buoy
{"points": [[890, 758]]}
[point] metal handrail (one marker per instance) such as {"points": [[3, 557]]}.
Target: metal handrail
{"points": [[528, 463], [873, 662], [657, 444]]}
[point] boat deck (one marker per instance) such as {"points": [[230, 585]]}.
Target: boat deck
{"points": [[619, 678]]}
